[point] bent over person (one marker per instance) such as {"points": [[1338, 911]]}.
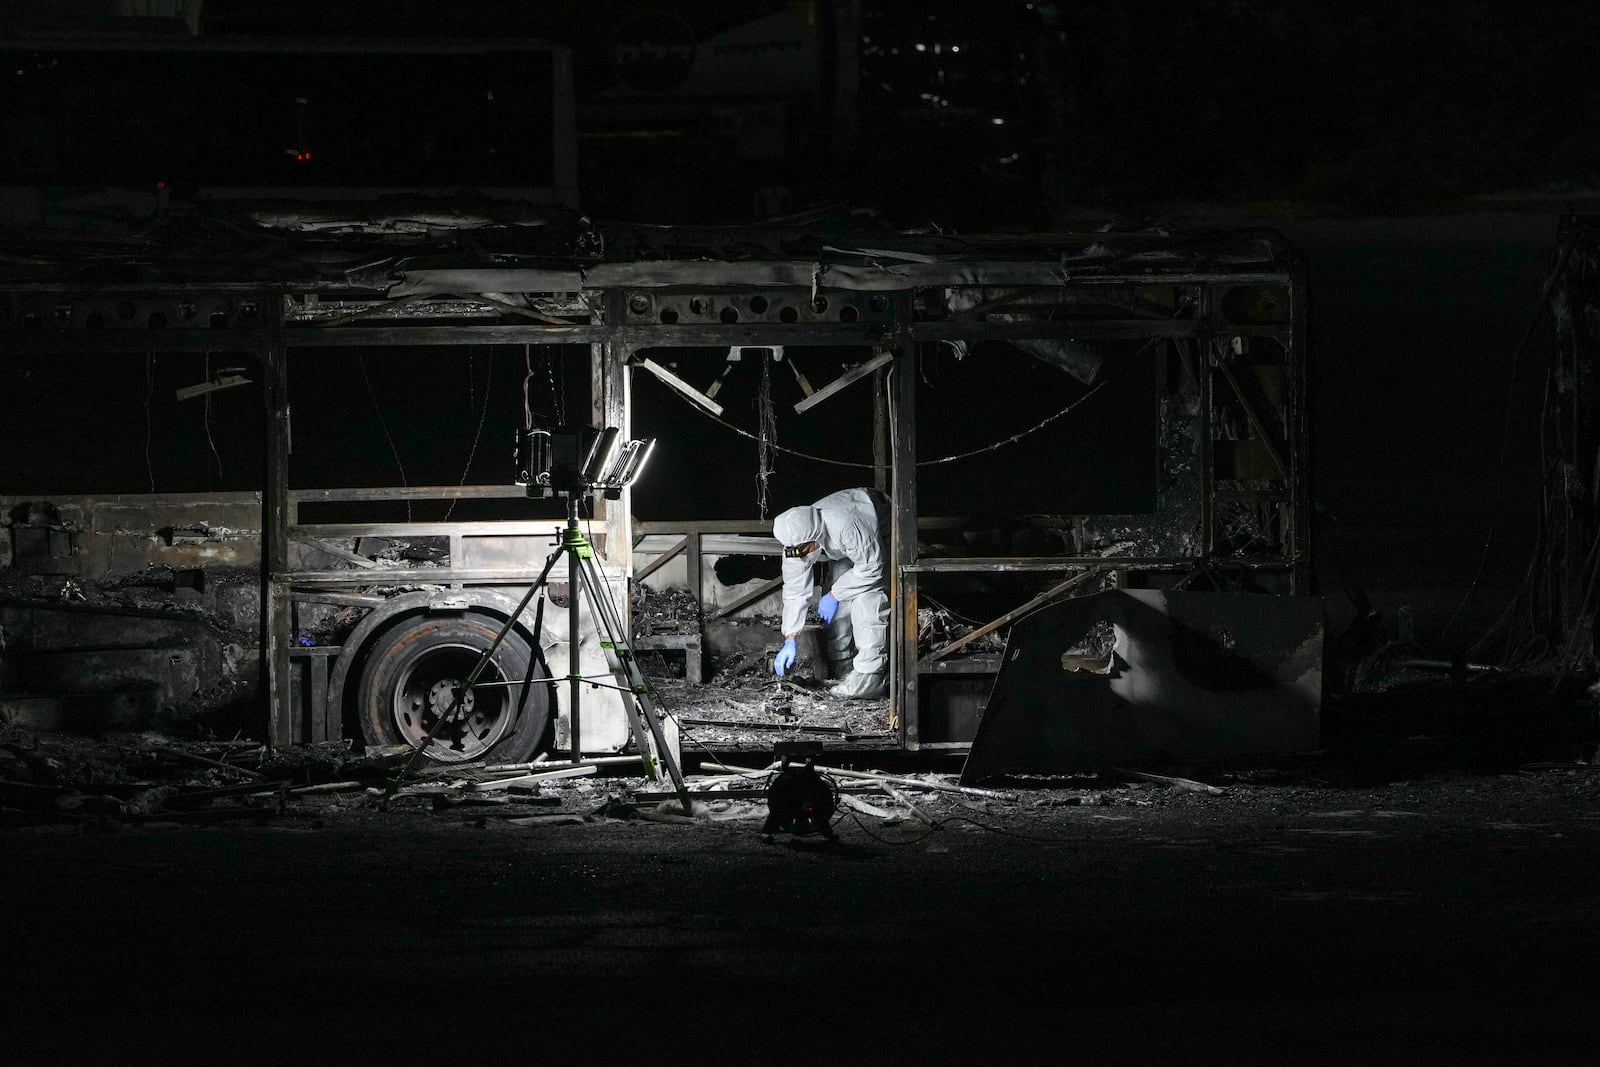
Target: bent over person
{"points": [[849, 531]]}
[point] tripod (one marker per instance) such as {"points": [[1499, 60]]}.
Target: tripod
{"points": [[582, 575]]}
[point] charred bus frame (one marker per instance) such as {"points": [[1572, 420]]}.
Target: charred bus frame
{"points": [[1232, 305]]}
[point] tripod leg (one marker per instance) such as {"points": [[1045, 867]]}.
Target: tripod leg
{"points": [[635, 691], [605, 621], [476, 672], [535, 660], [574, 697]]}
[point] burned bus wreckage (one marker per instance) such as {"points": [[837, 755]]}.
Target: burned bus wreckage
{"points": [[1095, 444]]}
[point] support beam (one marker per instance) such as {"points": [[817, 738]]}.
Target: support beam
{"points": [[1045, 597], [672, 381], [692, 538], [341, 600], [336, 552], [705, 526], [275, 620], [903, 691], [506, 528], [528, 333], [413, 492], [854, 374], [408, 575], [662, 560], [880, 431], [749, 598], [611, 406], [1255, 420]]}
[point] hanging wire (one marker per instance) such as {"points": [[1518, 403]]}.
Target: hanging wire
{"points": [[1545, 293], [205, 418], [558, 393], [149, 391], [1013, 439], [384, 423], [527, 379], [558, 408], [769, 434], [483, 413], [1548, 623]]}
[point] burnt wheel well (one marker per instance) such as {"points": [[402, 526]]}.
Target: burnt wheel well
{"points": [[350, 687]]}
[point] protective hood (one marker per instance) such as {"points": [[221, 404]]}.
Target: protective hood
{"points": [[797, 526]]}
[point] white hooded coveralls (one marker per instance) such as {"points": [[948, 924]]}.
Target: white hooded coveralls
{"points": [[851, 528]]}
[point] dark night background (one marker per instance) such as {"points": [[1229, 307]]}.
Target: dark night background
{"points": [[1362, 910], [1419, 156], [1355, 106]]}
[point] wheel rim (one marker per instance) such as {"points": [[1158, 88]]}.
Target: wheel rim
{"points": [[425, 690]]}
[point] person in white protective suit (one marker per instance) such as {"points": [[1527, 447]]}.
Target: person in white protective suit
{"points": [[849, 530]]}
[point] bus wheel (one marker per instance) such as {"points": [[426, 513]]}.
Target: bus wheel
{"points": [[415, 671]]}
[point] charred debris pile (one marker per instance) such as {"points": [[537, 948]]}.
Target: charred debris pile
{"points": [[742, 704], [155, 780]]}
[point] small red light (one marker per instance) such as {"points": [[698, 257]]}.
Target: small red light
{"points": [[160, 186]]}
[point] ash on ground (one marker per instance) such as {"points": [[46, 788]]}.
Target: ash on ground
{"points": [[664, 611], [745, 704], [742, 703]]}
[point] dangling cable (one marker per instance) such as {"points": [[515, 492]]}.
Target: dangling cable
{"points": [[384, 424], [558, 393], [1505, 436], [558, 408], [205, 419], [767, 440], [527, 378], [997, 445], [483, 413]]}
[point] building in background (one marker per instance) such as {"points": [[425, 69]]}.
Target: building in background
{"points": [[108, 127], [678, 112]]}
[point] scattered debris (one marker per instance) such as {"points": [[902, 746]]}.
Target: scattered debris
{"points": [[909, 806], [193, 758], [559, 818], [1175, 783], [942, 783], [743, 724], [743, 703], [664, 813], [938, 627], [855, 803], [664, 611], [152, 780], [327, 787], [534, 779]]}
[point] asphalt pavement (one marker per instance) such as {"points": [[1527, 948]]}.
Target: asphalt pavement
{"points": [[1453, 919]]}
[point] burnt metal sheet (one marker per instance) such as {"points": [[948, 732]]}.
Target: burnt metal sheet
{"points": [[1142, 675], [743, 274]]}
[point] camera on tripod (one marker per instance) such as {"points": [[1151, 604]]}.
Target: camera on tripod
{"points": [[574, 460]]}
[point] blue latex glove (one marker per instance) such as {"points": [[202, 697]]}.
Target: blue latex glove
{"points": [[786, 656], [828, 607]]}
